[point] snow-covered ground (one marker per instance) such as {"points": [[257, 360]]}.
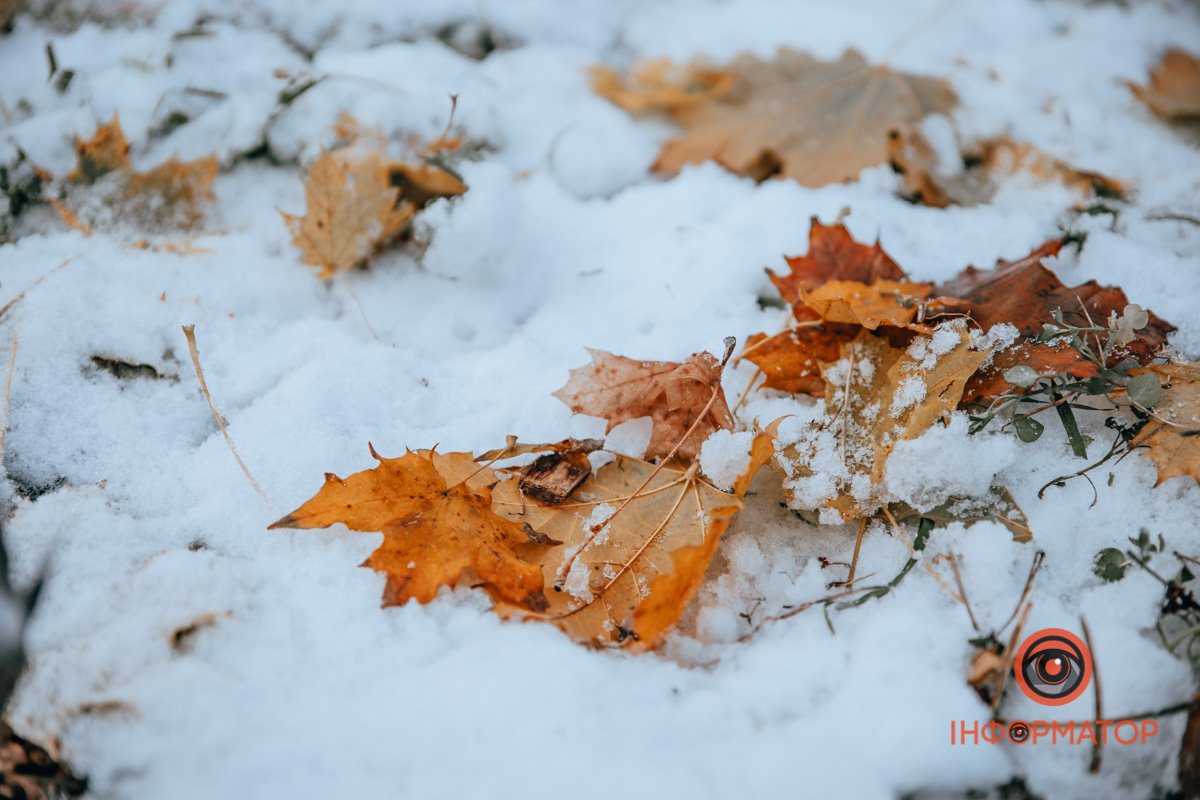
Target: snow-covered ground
{"points": [[294, 682]]}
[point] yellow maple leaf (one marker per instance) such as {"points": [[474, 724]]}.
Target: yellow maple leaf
{"points": [[1172, 438], [876, 396], [104, 189], [351, 211]]}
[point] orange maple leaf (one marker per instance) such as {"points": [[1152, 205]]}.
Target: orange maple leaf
{"points": [[435, 514]]}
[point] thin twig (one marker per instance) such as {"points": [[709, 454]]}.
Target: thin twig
{"points": [[1010, 653], [862, 529], [962, 590], [345, 284], [1038, 558], [4, 309], [12, 362], [1098, 740], [746, 391], [189, 331]]}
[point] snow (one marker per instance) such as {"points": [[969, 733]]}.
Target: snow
{"points": [[724, 456], [302, 686]]}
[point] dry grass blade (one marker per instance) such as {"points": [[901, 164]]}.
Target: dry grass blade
{"points": [[189, 331]]}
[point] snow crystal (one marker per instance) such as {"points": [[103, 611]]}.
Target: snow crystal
{"points": [[909, 393], [577, 583], [725, 455]]}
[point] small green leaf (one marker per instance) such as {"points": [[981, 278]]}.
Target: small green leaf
{"points": [[1078, 446], [1028, 429], [924, 528], [1110, 565], [1145, 389], [1021, 375]]}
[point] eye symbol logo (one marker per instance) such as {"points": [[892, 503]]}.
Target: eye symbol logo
{"points": [[1053, 667]]}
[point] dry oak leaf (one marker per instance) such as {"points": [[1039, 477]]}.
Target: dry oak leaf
{"points": [[104, 187], [659, 85], [352, 210], [684, 400], [817, 122], [1024, 293], [1174, 90], [876, 396], [1174, 445], [637, 541], [435, 514]]}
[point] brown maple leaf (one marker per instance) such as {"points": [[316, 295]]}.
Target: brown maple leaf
{"points": [[435, 514], [976, 176], [352, 209], [1024, 293], [791, 359], [817, 122], [637, 540], [104, 189], [1174, 90], [875, 396], [833, 255], [685, 400], [1172, 436], [659, 85]]}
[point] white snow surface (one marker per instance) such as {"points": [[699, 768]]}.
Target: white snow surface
{"points": [[302, 686]]}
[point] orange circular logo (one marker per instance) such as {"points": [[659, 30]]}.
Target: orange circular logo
{"points": [[1053, 667]]}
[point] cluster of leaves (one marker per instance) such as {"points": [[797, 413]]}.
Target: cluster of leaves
{"points": [[609, 555], [1071, 346], [820, 122], [613, 554]]}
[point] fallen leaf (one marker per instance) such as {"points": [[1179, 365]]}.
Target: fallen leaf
{"points": [[352, 209], [875, 396], [421, 184], [1174, 90], [976, 176], [998, 505], [659, 85], [1174, 445], [832, 255], [435, 514], [685, 400], [637, 540], [107, 151], [1024, 293], [884, 302], [791, 359], [816, 122], [104, 190]]}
